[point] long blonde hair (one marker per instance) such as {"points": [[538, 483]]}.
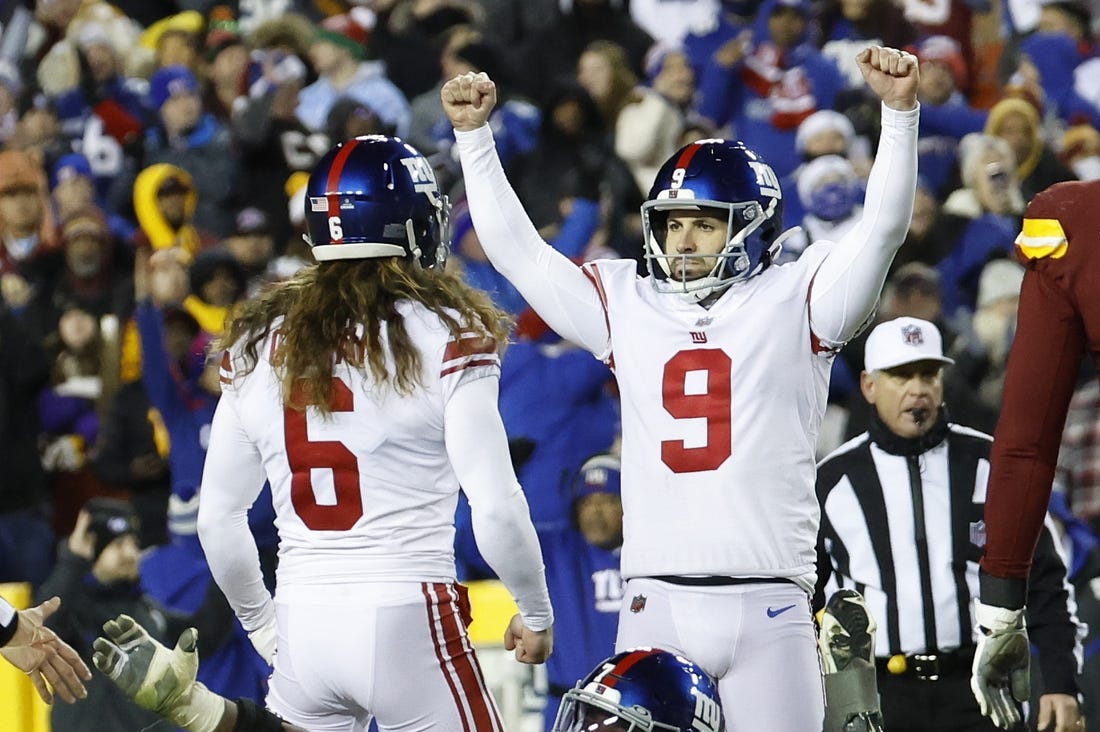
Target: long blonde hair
{"points": [[323, 304]]}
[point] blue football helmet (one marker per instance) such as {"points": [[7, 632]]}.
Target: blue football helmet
{"points": [[734, 183], [376, 196], [642, 689]]}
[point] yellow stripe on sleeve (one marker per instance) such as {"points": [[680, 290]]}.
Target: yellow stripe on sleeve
{"points": [[1041, 238]]}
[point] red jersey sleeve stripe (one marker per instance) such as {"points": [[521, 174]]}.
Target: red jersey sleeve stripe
{"points": [[468, 346], [469, 364], [592, 272]]}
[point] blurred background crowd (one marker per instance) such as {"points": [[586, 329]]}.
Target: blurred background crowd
{"points": [[153, 155]]}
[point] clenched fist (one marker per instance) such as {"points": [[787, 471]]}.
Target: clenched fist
{"points": [[468, 99], [893, 75]]}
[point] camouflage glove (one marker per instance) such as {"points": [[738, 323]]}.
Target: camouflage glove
{"points": [[1001, 678], [156, 678]]}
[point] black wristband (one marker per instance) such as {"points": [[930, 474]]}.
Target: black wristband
{"points": [[1010, 593], [253, 718]]}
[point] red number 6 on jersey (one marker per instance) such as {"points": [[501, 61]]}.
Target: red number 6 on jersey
{"points": [[713, 406], [305, 455]]}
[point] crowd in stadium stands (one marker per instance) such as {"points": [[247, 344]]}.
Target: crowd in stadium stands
{"points": [[153, 155]]}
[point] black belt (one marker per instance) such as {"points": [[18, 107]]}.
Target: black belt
{"points": [[715, 581], [928, 666]]}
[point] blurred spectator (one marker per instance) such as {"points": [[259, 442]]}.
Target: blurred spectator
{"points": [[106, 110], [225, 58], [645, 126], [177, 573], [669, 72], [983, 349], [38, 131], [1069, 17], [946, 116], [74, 189], [272, 141], [831, 193], [176, 39], [338, 56], [217, 280], [165, 202], [252, 246], [91, 274], [925, 242], [26, 535], [582, 569], [193, 140], [549, 57], [772, 84], [27, 234], [67, 407], [289, 34], [983, 218], [825, 132], [1037, 167], [1047, 66], [573, 159], [1079, 150], [98, 576]]}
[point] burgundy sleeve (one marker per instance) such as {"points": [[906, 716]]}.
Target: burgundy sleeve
{"points": [[1041, 374]]}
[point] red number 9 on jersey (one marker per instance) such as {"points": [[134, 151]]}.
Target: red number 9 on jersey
{"points": [[304, 455], [713, 406]]}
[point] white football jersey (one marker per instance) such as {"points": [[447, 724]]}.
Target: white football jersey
{"points": [[721, 409], [367, 493]]}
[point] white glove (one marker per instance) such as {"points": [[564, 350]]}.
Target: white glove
{"points": [[1001, 677], [159, 680], [265, 638]]}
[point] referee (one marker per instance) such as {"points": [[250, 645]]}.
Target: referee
{"points": [[902, 524]]}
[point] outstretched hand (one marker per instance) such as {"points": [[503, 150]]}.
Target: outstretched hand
{"points": [[468, 99], [38, 652], [893, 75]]}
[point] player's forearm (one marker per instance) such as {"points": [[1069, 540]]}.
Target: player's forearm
{"points": [[850, 279], [477, 447], [553, 285]]}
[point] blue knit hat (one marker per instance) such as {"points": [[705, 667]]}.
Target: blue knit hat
{"points": [[170, 81]]}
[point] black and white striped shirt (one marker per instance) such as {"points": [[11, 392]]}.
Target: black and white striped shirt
{"points": [[902, 523]]}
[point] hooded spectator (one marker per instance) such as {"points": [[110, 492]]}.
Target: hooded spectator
{"points": [[1037, 167], [831, 193], [166, 202]]}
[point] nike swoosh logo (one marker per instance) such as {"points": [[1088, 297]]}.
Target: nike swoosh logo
{"points": [[778, 611]]}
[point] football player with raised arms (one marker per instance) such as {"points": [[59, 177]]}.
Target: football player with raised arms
{"points": [[365, 390], [722, 361]]}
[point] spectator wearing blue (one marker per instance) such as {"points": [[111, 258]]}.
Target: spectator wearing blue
{"points": [[779, 80], [338, 55], [177, 574], [193, 139], [72, 188], [582, 571], [105, 104], [825, 132]]}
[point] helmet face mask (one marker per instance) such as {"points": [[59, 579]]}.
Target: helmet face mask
{"points": [[722, 178], [642, 690], [376, 196]]}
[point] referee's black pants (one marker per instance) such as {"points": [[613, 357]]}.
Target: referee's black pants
{"points": [[910, 704]]}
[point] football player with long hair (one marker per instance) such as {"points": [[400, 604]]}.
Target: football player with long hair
{"points": [[722, 360], [365, 390]]}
